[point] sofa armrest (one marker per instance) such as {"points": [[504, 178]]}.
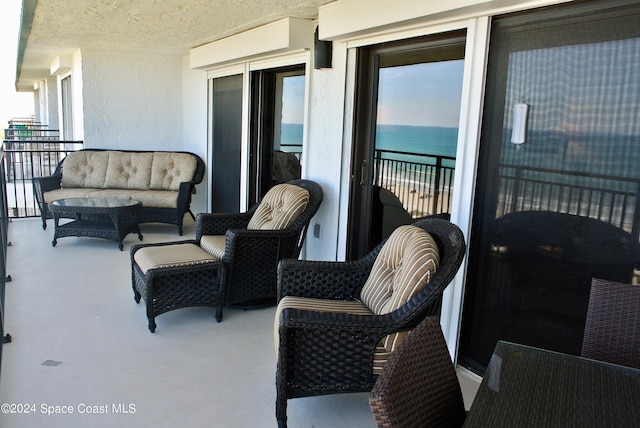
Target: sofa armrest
{"points": [[41, 185]]}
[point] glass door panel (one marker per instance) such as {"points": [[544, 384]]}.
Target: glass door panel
{"points": [[406, 135], [226, 136], [557, 200], [276, 128]]}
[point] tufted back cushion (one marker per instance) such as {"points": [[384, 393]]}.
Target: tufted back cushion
{"points": [[168, 170], [128, 170], [85, 169], [280, 207], [404, 266]]}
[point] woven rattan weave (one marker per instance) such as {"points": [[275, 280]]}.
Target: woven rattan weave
{"points": [[173, 287], [418, 386], [111, 219], [251, 256], [245, 276], [329, 353], [612, 329]]}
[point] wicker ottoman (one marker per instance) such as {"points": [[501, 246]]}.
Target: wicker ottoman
{"points": [[175, 275]]}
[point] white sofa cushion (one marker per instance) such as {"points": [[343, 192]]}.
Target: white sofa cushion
{"points": [[168, 170], [85, 169], [128, 170]]}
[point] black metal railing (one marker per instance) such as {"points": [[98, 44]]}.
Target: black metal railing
{"points": [[423, 183], [4, 243], [612, 199], [24, 160], [27, 128]]}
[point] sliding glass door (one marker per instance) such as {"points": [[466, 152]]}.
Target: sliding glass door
{"points": [[226, 142], [406, 132], [558, 192]]}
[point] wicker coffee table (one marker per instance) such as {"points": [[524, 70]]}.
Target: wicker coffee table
{"points": [[105, 218]]}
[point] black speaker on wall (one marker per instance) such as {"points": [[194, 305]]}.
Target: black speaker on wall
{"points": [[322, 52]]}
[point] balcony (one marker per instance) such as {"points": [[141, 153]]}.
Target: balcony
{"points": [[79, 338], [80, 343]]}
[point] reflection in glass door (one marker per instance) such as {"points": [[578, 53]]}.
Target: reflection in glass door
{"points": [[406, 134], [226, 142], [558, 193], [276, 128]]}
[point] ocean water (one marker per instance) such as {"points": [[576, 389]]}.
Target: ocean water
{"points": [[427, 140], [291, 135]]}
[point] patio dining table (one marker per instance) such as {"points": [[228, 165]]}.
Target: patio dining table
{"points": [[530, 387]]}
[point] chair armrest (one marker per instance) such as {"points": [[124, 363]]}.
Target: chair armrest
{"points": [[323, 280], [264, 248], [324, 345], [218, 224]]}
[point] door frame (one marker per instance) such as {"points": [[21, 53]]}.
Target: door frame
{"points": [[476, 54], [359, 231]]}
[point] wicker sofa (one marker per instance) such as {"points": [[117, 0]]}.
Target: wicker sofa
{"points": [[162, 181]]}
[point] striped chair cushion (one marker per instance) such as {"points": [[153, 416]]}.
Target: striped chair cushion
{"points": [[404, 266], [324, 305], [214, 245], [280, 207], [171, 256]]}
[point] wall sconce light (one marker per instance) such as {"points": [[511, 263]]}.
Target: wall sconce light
{"points": [[322, 52], [519, 129]]}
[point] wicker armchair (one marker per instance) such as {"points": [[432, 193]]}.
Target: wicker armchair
{"points": [[418, 386], [328, 352], [251, 256], [612, 329], [227, 263]]}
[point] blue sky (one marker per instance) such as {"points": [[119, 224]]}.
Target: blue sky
{"points": [[421, 95], [293, 99]]}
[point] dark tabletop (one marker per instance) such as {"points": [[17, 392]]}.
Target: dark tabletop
{"points": [[530, 387], [568, 237]]}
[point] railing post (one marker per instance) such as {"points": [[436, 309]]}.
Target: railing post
{"points": [[436, 190]]}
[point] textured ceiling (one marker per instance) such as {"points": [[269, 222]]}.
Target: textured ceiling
{"points": [[164, 27]]}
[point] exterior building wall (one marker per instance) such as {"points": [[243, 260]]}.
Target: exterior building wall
{"points": [[194, 125], [130, 101], [49, 104], [323, 157]]}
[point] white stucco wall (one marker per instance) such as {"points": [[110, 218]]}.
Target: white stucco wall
{"points": [[324, 153], [49, 105], [139, 98], [194, 118]]}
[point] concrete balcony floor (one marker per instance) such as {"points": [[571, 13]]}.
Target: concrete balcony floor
{"points": [[81, 344]]}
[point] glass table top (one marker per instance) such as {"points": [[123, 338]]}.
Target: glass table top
{"points": [[530, 387], [94, 202]]}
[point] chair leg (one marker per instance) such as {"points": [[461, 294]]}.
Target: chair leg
{"points": [[152, 324], [281, 411], [136, 296], [219, 312]]}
